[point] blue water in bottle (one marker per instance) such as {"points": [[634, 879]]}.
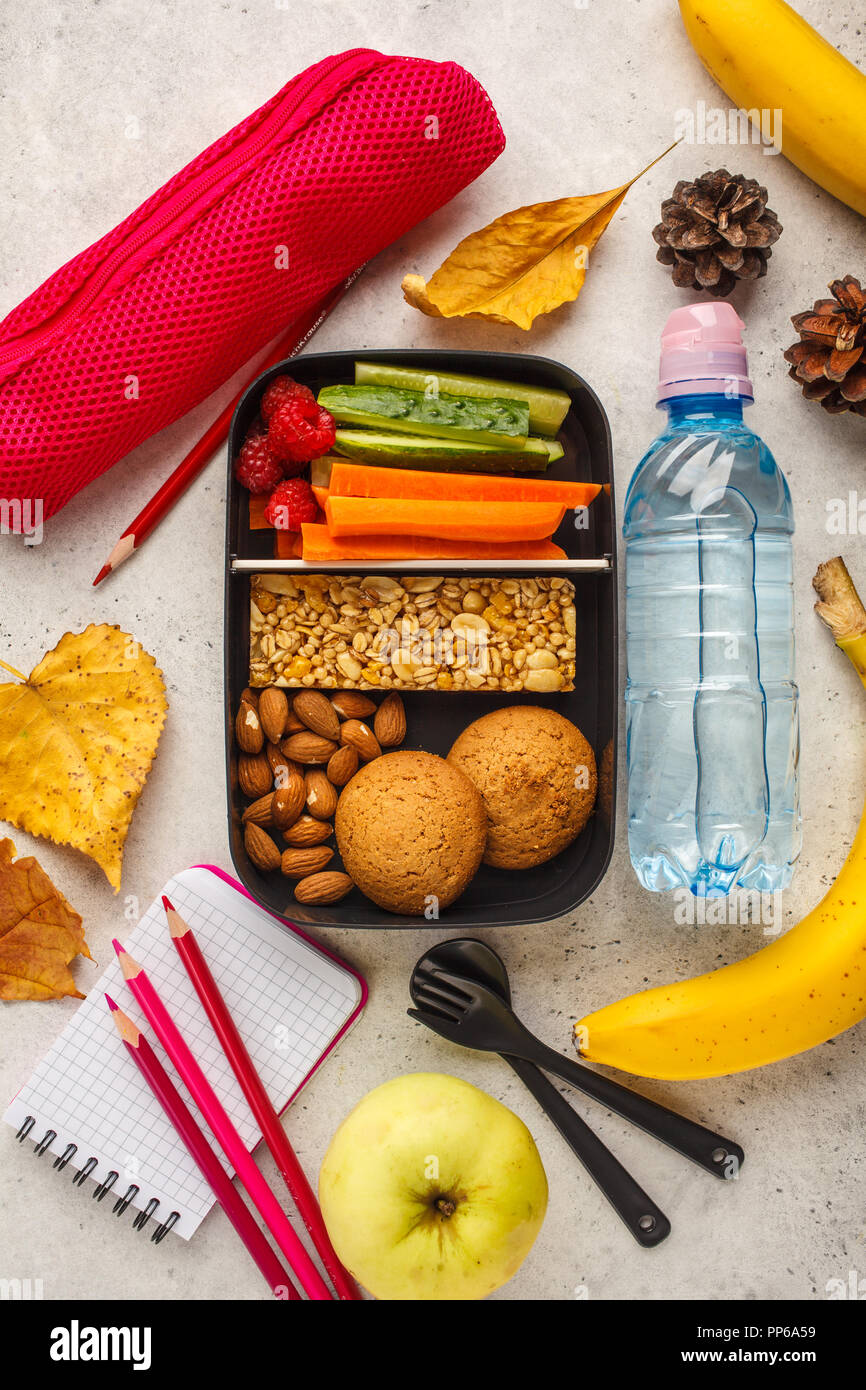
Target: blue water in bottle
{"points": [[711, 702]]}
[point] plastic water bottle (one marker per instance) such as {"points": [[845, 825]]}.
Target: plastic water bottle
{"points": [[711, 703]]}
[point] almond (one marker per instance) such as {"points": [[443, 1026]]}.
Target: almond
{"points": [[250, 697], [261, 848], [293, 724], [288, 767], [308, 747], [298, 863], [323, 888], [277, 761], [261, 811], [389, 726], [321, 794], [316, 711], [254, 775], [351, 704], [289, 801], [273, 713], [248, 729], [308, 831], [360, 737], [343, 765]]}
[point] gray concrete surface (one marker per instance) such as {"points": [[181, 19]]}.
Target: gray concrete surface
{"points": [[101, 102]]}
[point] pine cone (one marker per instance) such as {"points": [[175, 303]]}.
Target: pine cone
{"points": [[830, 359], [716, 231]]}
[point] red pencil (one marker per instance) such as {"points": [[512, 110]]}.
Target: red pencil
{"points": [[260, 1102], [220, 1184], [227, 1136], [293, 340]]}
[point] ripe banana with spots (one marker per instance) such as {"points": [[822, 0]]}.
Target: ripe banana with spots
{"points": [[806, 987], [767, 59]]}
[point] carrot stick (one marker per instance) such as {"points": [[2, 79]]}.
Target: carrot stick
{"points": [[287, 545], [320, 547], [495, 523], [257, 513], [365, 480]]}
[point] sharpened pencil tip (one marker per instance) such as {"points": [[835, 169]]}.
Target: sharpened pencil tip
{"points": [[106, 569], [167, 904], [128, 1030], [129, 967], [111, 1004], [176, 925]]}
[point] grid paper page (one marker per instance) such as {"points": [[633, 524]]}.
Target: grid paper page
{"points": [[288, 1001]]}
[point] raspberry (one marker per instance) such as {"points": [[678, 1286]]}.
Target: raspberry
{"points": [[290, 504], [300, 430], [282, 388], [290, 468], [255, 467]]}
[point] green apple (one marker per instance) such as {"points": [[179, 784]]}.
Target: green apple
{"points": [[431, 1189]]}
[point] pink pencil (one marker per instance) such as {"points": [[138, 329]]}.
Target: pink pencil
{"points": [[217, 1178], [261, 1105], [213, 1111]]}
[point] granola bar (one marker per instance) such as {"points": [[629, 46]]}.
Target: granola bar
{"points": [[367, 632]]}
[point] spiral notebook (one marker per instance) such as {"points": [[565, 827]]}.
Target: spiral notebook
{"points": [[87, 1107]]}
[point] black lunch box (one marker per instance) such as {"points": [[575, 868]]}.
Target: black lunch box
{"points": [[496, 897]]}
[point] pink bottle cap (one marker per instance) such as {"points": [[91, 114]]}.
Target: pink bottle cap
{"points": [[703, 353]]}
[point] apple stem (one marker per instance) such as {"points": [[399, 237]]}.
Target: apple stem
{"points": [[445, 1206]]}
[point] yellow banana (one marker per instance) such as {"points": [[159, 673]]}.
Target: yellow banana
{"points": [[840, 608], [806, 987], [767, 58]]}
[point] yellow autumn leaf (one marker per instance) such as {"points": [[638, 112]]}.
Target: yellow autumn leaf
{"points": [[77, 738], [526, 263], [415, 293], [39, 932]]}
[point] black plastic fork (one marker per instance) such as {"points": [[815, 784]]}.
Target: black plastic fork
{"points": [[474, 1016]]}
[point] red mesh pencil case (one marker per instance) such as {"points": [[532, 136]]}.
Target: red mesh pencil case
{"points": [[150, 319]]}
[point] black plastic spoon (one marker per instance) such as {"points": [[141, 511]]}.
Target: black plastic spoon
{"points": [[460, 986], [647, 1222]]}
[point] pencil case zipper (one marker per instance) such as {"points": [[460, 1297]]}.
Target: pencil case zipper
{"points": [[182, 207]]}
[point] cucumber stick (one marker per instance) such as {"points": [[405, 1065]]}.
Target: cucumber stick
{"points": [[454, 455], [547, 407], [480, 421]]}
